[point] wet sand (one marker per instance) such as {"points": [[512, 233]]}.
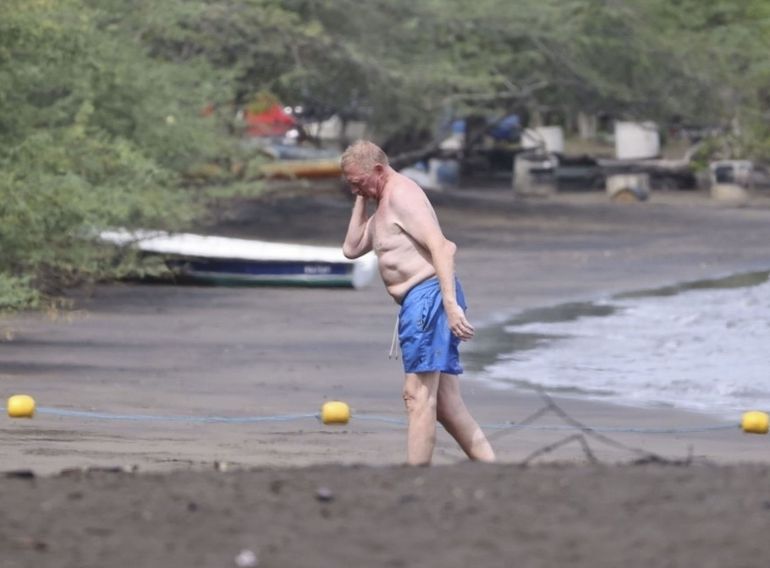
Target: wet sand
{"points": [[172, 351]]}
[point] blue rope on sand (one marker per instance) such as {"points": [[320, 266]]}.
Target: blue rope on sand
{"points": [[156, 418], [364, 417]]}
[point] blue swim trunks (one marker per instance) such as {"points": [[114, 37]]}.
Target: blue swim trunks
{"points": [[427, 344]]}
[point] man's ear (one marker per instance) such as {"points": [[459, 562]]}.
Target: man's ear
{"points": [[378, 168]]}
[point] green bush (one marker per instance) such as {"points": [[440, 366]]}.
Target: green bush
{"points": [[94, 134], [16, 293]]}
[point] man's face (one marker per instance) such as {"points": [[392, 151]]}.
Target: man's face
{"points": [[362, 182]]}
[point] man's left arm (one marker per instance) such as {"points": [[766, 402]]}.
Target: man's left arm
{"points": [[418, 219]]}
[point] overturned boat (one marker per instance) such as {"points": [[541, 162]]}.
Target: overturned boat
{"points": [[230, 261]]}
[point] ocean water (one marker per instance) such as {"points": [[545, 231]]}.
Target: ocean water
{"points": [[702, 346]]}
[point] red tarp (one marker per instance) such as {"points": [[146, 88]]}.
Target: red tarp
{"points": [[272, 122]]}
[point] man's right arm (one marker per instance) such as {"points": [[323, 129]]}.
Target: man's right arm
{"points": [[358, 240]]}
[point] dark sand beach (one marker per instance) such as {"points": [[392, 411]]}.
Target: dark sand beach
{"points": [[185, 351]]}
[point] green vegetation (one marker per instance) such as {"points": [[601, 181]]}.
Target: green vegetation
{"points": [[94, 133], [101, 100]]}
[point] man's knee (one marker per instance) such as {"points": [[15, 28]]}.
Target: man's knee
{"points": [[419, 396], [419, 399]]}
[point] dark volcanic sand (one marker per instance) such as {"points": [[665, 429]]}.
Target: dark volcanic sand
{"points": [[445, 517]]}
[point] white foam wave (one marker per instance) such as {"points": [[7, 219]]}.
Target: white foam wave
{"points": [[703, 349]]}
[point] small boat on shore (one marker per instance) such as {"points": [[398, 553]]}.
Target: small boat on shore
{"points": [[230, 261], [308, 169]]}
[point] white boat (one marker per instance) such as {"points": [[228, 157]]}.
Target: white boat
{"points": [[224, 260]]}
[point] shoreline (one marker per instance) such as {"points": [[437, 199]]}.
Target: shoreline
{"points": [[493, 341]]}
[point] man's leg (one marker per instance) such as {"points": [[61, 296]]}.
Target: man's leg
{"points": [[455, 418], [420, 395]]}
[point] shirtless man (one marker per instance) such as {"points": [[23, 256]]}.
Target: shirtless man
{"points": [[416, 263]]}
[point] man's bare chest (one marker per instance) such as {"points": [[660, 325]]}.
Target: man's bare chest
{"points": [[386, 232]]}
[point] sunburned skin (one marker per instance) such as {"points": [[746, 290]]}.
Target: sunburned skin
{"points": [[403, 262], [405, 234]]}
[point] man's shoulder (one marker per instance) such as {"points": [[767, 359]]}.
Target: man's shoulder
{"points": [[404, 188]]}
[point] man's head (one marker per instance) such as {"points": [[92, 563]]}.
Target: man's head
{"points": [[363, 167]]}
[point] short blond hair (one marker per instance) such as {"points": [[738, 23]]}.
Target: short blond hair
{"points": [[364, 154]]}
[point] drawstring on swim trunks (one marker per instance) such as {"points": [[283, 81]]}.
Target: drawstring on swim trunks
{"points": [[395, 348]]}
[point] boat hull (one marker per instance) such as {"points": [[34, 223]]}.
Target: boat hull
{"points": [[253, 273], [223, 260]]}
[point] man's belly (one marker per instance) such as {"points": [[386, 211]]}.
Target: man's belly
{"points": [[400, 277]]}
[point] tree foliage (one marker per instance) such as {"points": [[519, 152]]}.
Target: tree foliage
{"points": [[100, 100], [93, 134]]}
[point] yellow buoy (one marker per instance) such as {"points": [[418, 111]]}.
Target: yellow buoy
{"points": [[335, 412], [21, 406], [755, 422]]}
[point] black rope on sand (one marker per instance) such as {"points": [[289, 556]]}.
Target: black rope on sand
{"points": [[586, 432]]}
